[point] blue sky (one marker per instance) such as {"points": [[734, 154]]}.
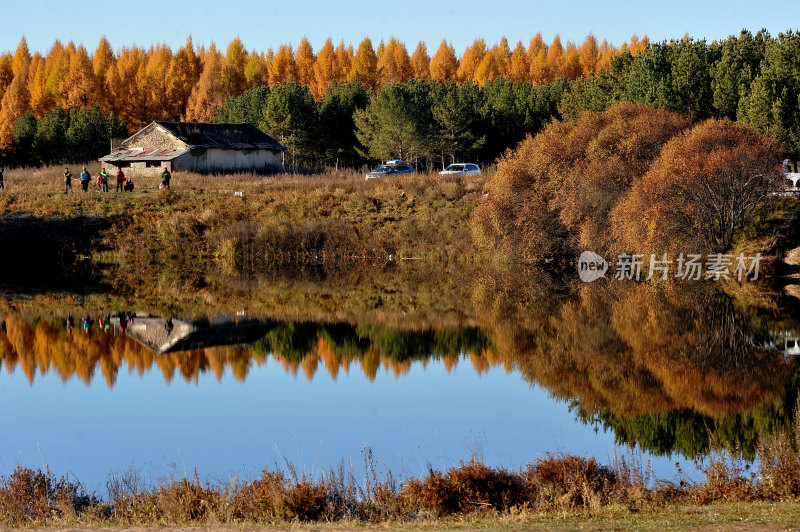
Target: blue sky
{"points": [[263, 24]]}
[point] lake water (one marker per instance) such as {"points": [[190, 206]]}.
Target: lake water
{"points": [[652, 371]]}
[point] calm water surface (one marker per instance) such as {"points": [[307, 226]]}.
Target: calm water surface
{"points": [[644, 370]]}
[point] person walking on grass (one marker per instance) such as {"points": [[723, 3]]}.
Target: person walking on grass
{"points": [[104, 179], [86, 178], [120, 181], [165, 177], [67, 180]]}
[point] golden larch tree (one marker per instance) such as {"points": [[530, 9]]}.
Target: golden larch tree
{"points": [[127, 97], [444, 65], [471, 60], [22, 57], [6, 72], [605, 52], [387, 68], [490, 68], [208, 95], [304, 60], [102, 60], [233, 76], [535, 46], [555, 59], [518, 65], [41, 101], [16, 100], [36, 67], [184, 72], [504, 53], [589, 55], [365, 65], [539, 70], [403, 62], [342, 61], [571, 68], [256, 73], [323, 70], [56, 69], [379, 50], [160, 105], [283, 67], [62, 90], [81, 85], [421, 62]]}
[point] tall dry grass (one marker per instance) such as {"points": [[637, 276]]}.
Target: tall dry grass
{"points": [[555, 483]]}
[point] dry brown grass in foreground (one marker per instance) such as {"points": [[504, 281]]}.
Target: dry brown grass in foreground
{"points": [[557, 484]]}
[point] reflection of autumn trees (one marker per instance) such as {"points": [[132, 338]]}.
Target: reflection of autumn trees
{"points": [[633, 348], [41, 347]]}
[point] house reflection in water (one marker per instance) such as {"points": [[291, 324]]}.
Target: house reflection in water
{"points": [[173, 335]]}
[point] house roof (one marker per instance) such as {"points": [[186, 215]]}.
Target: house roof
{"points": [[232, 136]]}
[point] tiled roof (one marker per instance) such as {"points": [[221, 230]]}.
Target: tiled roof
{"points": [[138, 154], [233, 136]]}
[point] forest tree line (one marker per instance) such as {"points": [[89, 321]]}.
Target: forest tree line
{"points": [[340, 106]]}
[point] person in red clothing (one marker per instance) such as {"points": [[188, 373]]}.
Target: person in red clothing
{"points": [[120, 180]]}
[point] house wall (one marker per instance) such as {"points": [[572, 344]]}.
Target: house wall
{"points": [[138, 169], [221, 161], [155, 139]]}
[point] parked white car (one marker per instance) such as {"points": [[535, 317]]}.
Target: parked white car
{"points": [[461, 169]]}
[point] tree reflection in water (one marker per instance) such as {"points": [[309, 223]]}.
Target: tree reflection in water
{"points": [[667, 366]]}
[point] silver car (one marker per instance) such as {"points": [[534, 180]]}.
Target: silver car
{"points": [[461, 169]]}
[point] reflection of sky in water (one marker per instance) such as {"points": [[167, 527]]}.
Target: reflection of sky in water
{"points": [[226, 428]]}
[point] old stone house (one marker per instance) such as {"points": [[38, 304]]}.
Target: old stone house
{"points": [[196, 147]]}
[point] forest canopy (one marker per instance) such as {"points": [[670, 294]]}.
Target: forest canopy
{"points": [[473, 106]]}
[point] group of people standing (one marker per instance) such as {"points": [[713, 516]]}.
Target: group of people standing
{"points": [[124, 184]]}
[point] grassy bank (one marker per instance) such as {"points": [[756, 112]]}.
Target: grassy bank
{"points": [[284, 217]]}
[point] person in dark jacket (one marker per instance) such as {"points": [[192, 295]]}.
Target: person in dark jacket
{"points": [[67, 180], [165, 177], [2, 184]]}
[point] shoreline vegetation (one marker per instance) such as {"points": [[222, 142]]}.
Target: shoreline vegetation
{"points": [[557, 486]]}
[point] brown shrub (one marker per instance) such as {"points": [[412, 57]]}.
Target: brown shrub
{"points": [[183, 501], [274, 498], [568, 482], [36, 496], [467, 488]]}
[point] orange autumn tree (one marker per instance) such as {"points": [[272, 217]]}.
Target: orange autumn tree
{"points": [[208, 95], [518, 65], [233, 73], [103, 60], [470, 61], [283, 67], [420, 62], [444, 64], [304, 60], [365, 65], [323, 71]]}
